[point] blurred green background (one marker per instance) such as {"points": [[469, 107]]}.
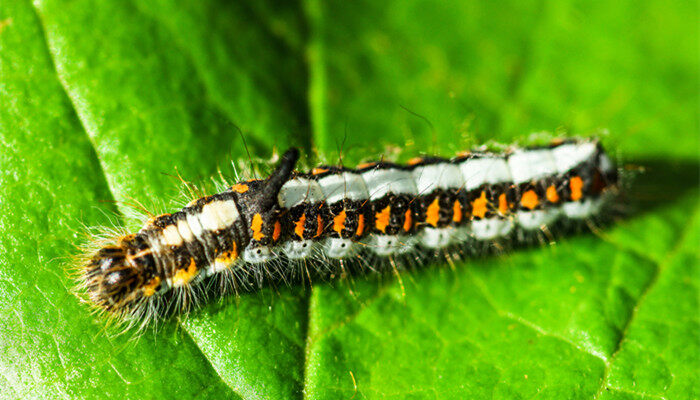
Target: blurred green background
{"points": [[103, 101]]}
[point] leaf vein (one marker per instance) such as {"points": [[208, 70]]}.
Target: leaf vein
{"points": [[660, 267]]}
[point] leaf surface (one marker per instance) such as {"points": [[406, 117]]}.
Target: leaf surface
{"points": [[104, 102]]}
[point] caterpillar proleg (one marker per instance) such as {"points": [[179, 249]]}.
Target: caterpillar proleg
{"points": [[334, 218]]}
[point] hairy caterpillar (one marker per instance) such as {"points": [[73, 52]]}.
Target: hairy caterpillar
{"points": [[335, 218]]}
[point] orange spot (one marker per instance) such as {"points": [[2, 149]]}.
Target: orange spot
{"points": [[366, 165], [457, 212], [277, 231], [234, 251], [552, 195], [239, 188], [183, 276], [228, 257], [256, 227], [414, 161], [576, 185], [557, 141], [127, 238], [382, 219], [502, 204], [299, 226], [319, 225], [464, 153], [149, 289], [408, 221], [339, 222], [479, 206], [360, 225], [529, 199], [317, 171], [432, 214], [224, 258]]}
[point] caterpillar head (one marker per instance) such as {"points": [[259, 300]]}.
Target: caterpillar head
{"points": [[110, 279], [120, 277]]}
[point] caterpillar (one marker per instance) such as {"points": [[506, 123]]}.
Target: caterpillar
{"points": [[336, 218]]}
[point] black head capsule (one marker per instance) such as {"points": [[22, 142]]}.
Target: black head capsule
{"points": [[118, 278], [110, 280]]}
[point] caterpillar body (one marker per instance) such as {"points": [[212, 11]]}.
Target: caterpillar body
{"points": [[339, 217]]}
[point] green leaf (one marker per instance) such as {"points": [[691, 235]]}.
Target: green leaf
{"points": [[107, 101]]}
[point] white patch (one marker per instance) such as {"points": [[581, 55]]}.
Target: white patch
{"points": [[184, 230], [178, 283], [489, 228], [436, 238], [343, 186], [437, 176], [227, 210], [568, 156], [386, 245], [339, 248], [218, 215], [532, 220], [299, 190], [194, 225], [257, 255], [210, 270], [380, 182], [296, 250], [528, 165], [218, 266], [477, 171], [171, 236], [582, 209], [605, 164]]}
